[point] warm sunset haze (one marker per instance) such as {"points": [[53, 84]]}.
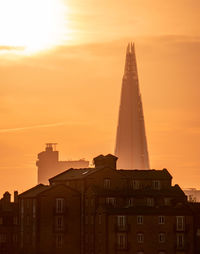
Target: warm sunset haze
{"points": [[61, 66]]}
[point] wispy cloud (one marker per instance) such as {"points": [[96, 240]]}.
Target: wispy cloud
{"points": [[32, 127], [8, 48]]}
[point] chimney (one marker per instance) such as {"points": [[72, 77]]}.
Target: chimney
{"points": [[6, 197], [15, 196], [102, 161]]}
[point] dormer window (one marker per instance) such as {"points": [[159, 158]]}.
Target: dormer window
{"points": [[107, 183], [156, 185]]}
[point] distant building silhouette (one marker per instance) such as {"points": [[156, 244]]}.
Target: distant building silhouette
{"points": [[193, 194], [131, 144], [108, 211], [49, 165], [9, 224]]}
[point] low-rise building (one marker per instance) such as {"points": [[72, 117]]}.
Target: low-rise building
{"points": [[102, 210], [9, 224]]}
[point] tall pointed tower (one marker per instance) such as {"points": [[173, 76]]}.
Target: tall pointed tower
{"points": [[131, 144]]}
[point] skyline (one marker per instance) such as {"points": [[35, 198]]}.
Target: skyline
{"points": [[55, 89]]}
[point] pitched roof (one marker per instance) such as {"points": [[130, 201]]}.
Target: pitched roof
{"points": [[146, 174], [33, 192], [72, 174]]}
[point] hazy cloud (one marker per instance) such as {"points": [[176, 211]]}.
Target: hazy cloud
{"points": [[8, 48], [32, 127]]}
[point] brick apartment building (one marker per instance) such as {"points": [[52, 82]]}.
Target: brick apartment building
{"points": [[9, 224], [102, 210]]}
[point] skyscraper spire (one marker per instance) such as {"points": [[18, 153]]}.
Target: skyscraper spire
{"points": [[131, 144]]}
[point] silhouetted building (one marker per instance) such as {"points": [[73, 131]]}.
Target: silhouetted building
{"points": [[9, 224], [131, 144], [193, 194], [49, 165], [108, 211]]}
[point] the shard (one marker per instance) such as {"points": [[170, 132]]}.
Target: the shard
{"points": [[131, 145]]}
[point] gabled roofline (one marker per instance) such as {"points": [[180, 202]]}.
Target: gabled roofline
{"points": [[58, 185], [31, 189]]}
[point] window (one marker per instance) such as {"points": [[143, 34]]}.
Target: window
{"points": [[111, 201], [135, 184], [121, 221], [180, 223], [122, 241], [161, 237], [156, 185], [180, 240], [107, 183], [139, 219], [59, 205], [150, 202], [131, 202], [59, 223], [59, 241], [161, 219], [140, 237], [167, 201]]}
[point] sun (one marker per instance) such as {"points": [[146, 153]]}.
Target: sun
{"points": [[32, 25]]}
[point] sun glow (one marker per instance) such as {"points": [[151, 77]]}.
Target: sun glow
{"points": [[29, 26]]}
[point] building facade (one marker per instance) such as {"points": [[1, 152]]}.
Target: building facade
{"points": [[108, 211], [9, 224]]}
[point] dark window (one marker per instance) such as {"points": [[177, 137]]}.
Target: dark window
{"points": [[140, 237], [59, 205], [139, 219], [107, 183], [59, 241]]}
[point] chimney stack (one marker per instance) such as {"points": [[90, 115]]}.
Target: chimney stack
{"points": [[102, 161]]}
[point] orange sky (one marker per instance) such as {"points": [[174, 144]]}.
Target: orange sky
{"points": [[70, 94]]}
